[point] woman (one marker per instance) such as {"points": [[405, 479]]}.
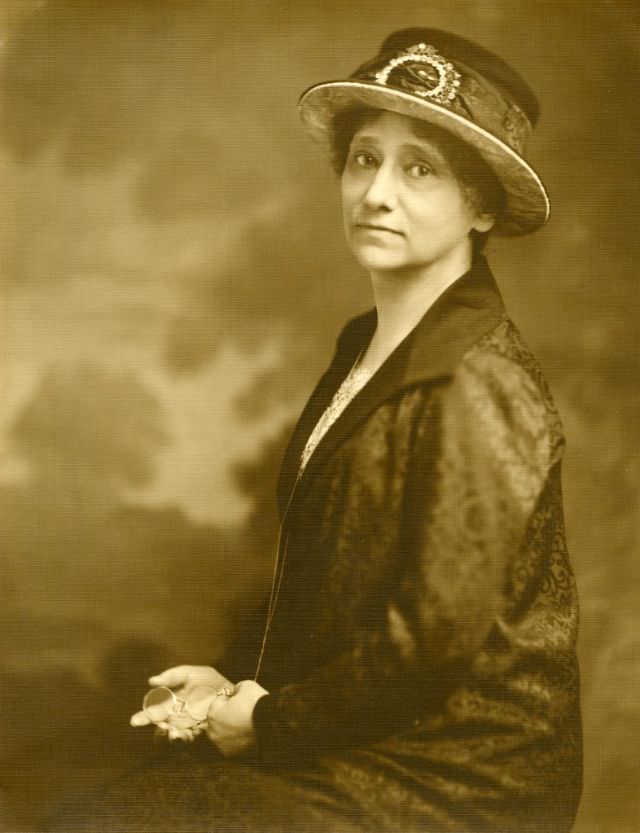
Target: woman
{"points": [[418, 667]]}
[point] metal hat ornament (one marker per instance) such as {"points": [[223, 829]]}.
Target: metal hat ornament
{"points": [[457, 85]]}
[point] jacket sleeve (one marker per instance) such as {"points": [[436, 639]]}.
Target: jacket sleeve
{"points": [[479, 463]]}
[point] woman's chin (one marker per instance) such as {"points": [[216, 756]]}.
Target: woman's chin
{"points": [[378, 260]]}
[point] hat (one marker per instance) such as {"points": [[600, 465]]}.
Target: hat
{"points": [[455, 84]]}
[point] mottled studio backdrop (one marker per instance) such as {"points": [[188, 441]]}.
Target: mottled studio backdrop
{"points": [[175, 277]]}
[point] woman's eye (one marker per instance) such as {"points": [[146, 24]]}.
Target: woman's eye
{"points": [[419, 170], [363, 159]]}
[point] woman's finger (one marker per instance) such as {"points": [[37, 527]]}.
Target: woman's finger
{"points": [[139, 719], [172, 677], [178, 734]]}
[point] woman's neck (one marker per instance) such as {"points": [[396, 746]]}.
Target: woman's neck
{"points": [[403, 297]]}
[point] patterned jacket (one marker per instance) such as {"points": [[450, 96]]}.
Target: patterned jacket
{"points": [[421, 652]]}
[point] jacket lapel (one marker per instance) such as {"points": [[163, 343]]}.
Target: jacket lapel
{"points": [[357, 332], [468, 309]]}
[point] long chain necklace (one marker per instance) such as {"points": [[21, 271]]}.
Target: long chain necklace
{"points": [[351, 385]]}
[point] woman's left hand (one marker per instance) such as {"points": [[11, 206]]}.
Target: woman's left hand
{"points": [[230, 722]]}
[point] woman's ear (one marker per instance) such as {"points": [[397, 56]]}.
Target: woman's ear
{"points": [[483, 223]]}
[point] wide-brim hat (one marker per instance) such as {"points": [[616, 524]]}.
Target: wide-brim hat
{"points": [[457, 85]]}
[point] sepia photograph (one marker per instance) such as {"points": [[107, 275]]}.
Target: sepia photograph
{"points": [[320, 431]]}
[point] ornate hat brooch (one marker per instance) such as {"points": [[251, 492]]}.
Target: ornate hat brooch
{"points": [[421, 70]]}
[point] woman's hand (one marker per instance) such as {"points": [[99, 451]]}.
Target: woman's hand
{"points": [[230, 723], [182, 679]]}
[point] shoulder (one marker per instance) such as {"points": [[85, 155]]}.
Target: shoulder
{"points": [[503, 361], [499, 393], [503, 348]]}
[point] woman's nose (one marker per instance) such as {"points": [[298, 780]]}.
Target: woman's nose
{"points": [[381, 193]]}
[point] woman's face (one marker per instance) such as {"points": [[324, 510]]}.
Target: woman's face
{"points": [[403, 207]]}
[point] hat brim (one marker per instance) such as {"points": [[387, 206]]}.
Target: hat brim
{"points": [[527, 205]]}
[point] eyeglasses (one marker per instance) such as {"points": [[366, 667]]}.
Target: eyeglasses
{"points": [[162, 704]]}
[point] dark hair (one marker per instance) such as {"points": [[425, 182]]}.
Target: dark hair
{"points": [[481, 186]]}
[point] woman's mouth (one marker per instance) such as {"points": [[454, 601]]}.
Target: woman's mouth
{"points": [[377, 227]]}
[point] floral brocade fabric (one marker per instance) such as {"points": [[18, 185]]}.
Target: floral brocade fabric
{"points": [[422, 656], [421, 661]]}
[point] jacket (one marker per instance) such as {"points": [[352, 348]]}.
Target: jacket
{"points": [[422, 648]]}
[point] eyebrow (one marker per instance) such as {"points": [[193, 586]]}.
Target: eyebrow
{"points": [[415, 147]]}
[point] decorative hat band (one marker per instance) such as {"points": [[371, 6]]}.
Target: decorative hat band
{"points": [[421, 71]]}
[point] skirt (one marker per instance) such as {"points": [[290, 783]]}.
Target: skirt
{"points": [[193, 789]]}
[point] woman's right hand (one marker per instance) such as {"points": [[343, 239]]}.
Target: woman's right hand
{"points": [[182, 679]]}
